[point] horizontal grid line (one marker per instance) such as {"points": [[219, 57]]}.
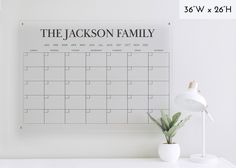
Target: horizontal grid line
{"points": [[161, 51], [98, 95], [95, 109], [97, 80], [88, 123], [110, 66]]}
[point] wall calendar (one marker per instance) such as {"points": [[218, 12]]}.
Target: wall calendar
{"points": [[94, 73]]}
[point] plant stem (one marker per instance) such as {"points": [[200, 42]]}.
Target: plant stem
{"points": [[167, 140]]}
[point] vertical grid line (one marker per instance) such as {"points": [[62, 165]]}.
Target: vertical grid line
{"points": [[127, 88], [106, 91], [65, 87], [85, 86], [44, 116], [148, 86], [23, 116], [169, 82]]}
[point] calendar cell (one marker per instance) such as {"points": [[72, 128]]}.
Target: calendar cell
{"points": [[96, 59], [116, 102], [159, 59], [135, 73], [75, 116], [158, 73], [158, 88], [158, 102], [96, 88], [117, 59], [75, 73], [34, 116], [96, 102], [138, 102], [33, 73], [116, 88], [52, 73], [75, 102], [117, 116], [96, 73], [75, 87], [33, 88], [138, 59], [137, 117], [54, 102], [75, 59], [54, 116], [54, 88], [137, 88], [34, 59], [96, 116], [55, 59], [117, 74], [33, 102]]}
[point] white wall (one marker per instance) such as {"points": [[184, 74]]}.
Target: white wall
{"points": [[202, 50]]}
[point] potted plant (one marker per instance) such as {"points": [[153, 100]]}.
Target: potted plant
{"points": [[169, 151]]}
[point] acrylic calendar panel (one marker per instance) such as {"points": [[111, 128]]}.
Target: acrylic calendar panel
{"points": [[83, 73]]}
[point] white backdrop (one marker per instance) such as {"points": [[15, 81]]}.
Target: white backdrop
{"points": [[203, 50]]}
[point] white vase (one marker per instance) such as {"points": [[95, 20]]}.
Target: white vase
{"points": [[169, 152]]}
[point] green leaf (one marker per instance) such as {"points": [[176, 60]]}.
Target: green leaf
{"points": [[167, 137], [172, 130], [165, 133], [173, 134], [164, 126], [170, 125], [182, 122], [169, 120], [175, 118], [155, 121], [165, 120]]}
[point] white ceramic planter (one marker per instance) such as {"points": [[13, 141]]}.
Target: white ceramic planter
{"points": [[169, 152]]}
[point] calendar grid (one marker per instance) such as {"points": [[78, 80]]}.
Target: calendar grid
{"points": [[142, 89]]}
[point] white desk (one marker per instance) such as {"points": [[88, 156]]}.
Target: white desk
{"points": [[105, 163]]}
